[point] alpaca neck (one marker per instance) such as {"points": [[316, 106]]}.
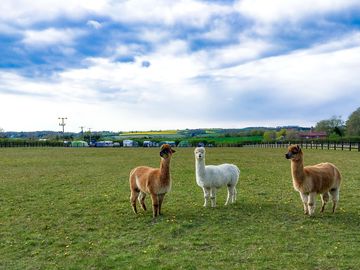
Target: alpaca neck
{"points": [[297, 170], [165, 170], [200, 167]]}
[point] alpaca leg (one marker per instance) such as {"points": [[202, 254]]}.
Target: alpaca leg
{"points": [[324, 200], [134, 195], [311, 203], [213, 197], [233, 199], [206, 196], [141, 199], [335, 198], [161, 198], [305, 199], [231, 196], [155, 204]]}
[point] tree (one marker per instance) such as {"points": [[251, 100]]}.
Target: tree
{"points": [[353, 124], [333, 125], [2, 134], [292, 134], [281, 134], [269, 136]]}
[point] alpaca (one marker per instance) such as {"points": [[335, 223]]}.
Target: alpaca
{"points": [[154, 181], [212, 177], [323, 178]]}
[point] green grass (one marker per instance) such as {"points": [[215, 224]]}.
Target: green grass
{"points": [[63, 208], [237, 139], [159, 132]]}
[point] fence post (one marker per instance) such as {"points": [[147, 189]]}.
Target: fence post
{"points": [[342, 146], [350, 146], [334, 145]]}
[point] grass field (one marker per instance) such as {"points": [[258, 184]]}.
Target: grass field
{"points": [[63, 208], [237, 139], [160, 132]]}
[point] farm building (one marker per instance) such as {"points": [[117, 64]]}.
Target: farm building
{"points": [[150, 144], [312, 135], [184, 144], [130, 143], [171, 143], [104, 144], [79, 144]]}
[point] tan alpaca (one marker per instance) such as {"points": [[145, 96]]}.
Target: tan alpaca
{"points": [[154, 181], [323, 178]]}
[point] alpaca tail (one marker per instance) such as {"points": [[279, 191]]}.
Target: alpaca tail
{"points": [[337, 176], [236, 173]]}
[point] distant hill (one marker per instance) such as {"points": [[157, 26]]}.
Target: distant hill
{"points": [[184, 133]]}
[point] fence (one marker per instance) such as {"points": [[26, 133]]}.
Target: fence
{"points": [[345, 146], [30, 144], [348, 146]]}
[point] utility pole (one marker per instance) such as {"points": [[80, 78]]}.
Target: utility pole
{"points": [[82, 131], [90, 136], [62, 123]]}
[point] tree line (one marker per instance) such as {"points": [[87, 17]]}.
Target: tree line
{"points": [[335, 128]]}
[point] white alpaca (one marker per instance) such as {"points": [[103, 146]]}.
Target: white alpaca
{"points": [[212, 177]]}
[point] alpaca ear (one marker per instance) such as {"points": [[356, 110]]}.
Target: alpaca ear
{"points": [[173, 151], [298, 148]]}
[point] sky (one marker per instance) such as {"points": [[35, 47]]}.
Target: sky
{"points": [[160, 64]]}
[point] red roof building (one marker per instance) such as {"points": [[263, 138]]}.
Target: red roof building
{"points": [[313, 135]]}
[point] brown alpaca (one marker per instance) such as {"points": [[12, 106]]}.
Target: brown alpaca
{"points": [[154, 181], [323, 178]]}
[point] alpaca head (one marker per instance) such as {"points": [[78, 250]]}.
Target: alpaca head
{"points": [[199, 153], [294, 152], [166, 151]]}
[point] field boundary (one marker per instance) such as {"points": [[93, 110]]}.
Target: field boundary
{"points": [[344, 146]]}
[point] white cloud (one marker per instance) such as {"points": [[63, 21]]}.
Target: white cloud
{"points": [[22, 12], [235, 54], [211, 86], [179, 85], [290, 10], [219, 31], [189, 12], [50, 36], [312, 77], [94, 24]]}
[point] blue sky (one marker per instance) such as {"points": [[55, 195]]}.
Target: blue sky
{"points": [[149, 65]]}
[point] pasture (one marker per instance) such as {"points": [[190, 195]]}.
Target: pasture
{"points": [[63, 208]]}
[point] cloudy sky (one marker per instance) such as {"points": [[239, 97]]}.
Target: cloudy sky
{"points": [[161, 64]]}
